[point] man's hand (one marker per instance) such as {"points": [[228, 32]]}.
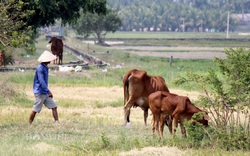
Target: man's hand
{"points": [[51, 95]]}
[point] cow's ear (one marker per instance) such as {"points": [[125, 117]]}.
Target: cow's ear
{"points": [[206, 117]]}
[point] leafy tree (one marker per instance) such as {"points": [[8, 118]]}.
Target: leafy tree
{"points": [[12, 28], [47, 11], [14, 32], [97, 25], [19, 19]]}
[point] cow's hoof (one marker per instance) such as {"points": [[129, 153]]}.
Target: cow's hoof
{"points": [[128, 124]]}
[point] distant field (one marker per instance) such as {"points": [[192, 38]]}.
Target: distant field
{"points": [[173, 39], [119, 34]]}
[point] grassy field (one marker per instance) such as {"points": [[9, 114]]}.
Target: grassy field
{"points": [[172, 39], [172, 35], [90, 109]]}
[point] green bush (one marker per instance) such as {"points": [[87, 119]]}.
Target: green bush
{"points": [[226, 98]]}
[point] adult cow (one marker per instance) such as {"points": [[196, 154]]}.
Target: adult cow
{"points": [[57, 49], [137, 87], [164, 104]]}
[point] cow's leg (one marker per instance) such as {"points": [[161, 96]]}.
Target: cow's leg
{"points": [[57, 60], [128, 120], [153, 125], [127, 108], [61, 58], [145, 116], [157, 120], [183, 130], [126, 115], [162, 121], [175, 120], [169, 120]]}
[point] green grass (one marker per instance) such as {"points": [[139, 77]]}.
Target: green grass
{"points": [[188, 43], [171, 35], [165, 51], [95, 77]]}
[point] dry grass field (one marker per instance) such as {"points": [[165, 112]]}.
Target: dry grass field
{"points": [[71, 118]]}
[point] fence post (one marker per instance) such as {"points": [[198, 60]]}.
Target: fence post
{"points": [[170, 61]]}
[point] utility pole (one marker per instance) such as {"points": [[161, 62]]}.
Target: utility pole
{"points": [[227, 24]]}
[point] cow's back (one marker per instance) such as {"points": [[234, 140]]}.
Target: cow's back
{"points": [[155, 83], [164, 101]]}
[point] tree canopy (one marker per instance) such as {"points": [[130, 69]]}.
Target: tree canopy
{"points": [[97, 25], [47, 11]]}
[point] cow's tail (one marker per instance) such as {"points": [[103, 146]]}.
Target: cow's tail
{"points": [[126, 88]]}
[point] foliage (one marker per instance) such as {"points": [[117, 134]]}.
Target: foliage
{"points": [[13, 30], [19, 20], [237, 70], [46, 12], [226, 96], [97, 25], [169, 15]]}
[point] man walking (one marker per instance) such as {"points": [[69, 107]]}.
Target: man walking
{"points": [[40, 87]]}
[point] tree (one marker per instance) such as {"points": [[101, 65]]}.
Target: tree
{"points": [[13, 31], [97, 25], [19, 19], [19, 16], [47, 11]]}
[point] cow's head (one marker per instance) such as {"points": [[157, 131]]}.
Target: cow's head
{"points": [[52, 40], [201, 117]]}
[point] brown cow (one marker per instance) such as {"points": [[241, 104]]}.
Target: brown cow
{"points": [[162, 104], [57, 49], [137, 87]]}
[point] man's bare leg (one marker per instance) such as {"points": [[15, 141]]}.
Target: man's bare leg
{"points": [[32, 116], [55, 114]]}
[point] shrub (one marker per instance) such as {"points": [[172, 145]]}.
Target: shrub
{"points": [[226, 98]]}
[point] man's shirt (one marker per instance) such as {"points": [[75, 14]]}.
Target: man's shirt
{"points": [[40, 85]]}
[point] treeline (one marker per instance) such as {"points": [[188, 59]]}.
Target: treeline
{"points": [[178, 15]]}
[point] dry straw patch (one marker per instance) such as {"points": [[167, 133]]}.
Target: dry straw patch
{"points": [[43, 147], [102, 94], [154, 151], [87, 95]]}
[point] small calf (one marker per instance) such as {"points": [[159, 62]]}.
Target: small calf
{"points": [[163, 104]]}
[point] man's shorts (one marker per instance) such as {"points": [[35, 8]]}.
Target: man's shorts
{"points": [[41, 99]]}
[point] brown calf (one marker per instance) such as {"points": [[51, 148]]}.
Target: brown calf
{"points": [[164, 104]]}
